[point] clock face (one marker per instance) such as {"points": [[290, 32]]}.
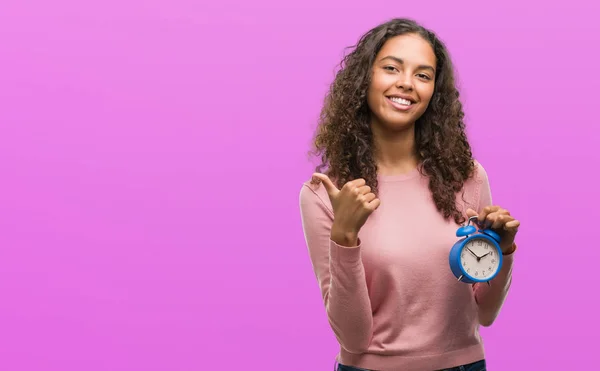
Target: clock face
{"points": [[479, 258]]}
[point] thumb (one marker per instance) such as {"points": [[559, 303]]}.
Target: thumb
{"points": [[329, 186], [471, 212]]}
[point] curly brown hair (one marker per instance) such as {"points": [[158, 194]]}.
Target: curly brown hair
{"points": [[344, 140]]}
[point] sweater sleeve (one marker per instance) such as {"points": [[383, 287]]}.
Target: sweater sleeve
{"points": [[339, 272], [490, 298]]}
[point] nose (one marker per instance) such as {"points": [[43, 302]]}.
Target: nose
{"points": [[404, 82]]}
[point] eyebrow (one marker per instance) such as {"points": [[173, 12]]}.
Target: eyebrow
{"points": [[400, 61]]}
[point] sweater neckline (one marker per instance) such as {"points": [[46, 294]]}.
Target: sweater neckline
{"points": [[400, 177]]}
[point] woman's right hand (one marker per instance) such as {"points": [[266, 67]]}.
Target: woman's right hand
{"points": [[352, 206]]}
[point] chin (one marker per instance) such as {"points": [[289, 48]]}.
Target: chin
{"points": [[396, 126], [396, 123], [401, 126]]}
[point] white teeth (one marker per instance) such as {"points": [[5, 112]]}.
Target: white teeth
{"points": [[401, 101]]}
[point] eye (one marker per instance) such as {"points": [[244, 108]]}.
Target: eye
{"points": [[424, 76], [390, 68]]}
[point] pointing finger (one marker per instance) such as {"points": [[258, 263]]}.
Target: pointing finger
{"points": [[329, 186]]}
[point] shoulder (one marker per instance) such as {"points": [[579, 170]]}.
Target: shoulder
{"points": [[477, 190], [479, 177], [475, 186]]}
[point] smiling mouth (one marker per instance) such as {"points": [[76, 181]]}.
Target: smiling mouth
{"points": [[401, 101], [400, 104]]}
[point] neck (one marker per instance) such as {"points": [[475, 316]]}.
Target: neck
{"points": [[395, 152]]}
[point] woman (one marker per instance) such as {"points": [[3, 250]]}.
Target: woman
{"points": [[380, 221]]}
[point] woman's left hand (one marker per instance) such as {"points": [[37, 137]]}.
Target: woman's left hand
{"points": [[500, 221]]}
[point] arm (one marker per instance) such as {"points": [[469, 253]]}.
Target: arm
{"points": [[340, 274], [490, 298]]}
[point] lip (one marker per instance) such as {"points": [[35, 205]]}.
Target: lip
{"points": [[400, 107]]}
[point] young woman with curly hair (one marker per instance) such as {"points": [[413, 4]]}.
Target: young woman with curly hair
{"points": [[396, 179]]}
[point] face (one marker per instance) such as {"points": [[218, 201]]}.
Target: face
{"points": [[402, 82]]}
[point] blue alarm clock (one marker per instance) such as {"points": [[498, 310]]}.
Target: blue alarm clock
{"points": [[476, 257]]}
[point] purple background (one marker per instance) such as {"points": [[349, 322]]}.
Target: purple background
{"points": [[152, 153]]}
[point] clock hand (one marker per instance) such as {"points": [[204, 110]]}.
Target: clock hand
{"points": [[485, 255], [475, 255]]}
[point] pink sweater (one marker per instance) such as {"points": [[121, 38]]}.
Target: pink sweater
{"points": [[392, 302]]}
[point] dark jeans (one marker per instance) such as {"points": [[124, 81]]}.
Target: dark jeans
{"points": [[476, 366]]}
